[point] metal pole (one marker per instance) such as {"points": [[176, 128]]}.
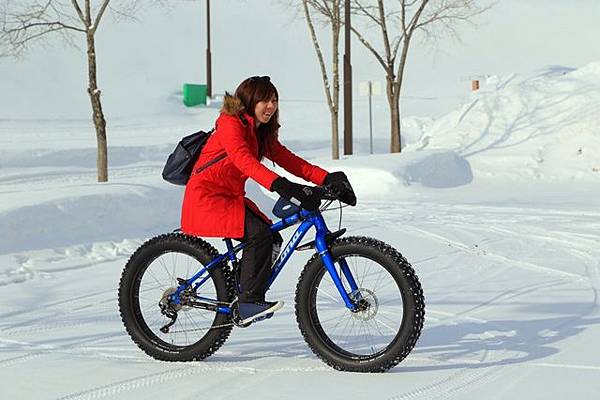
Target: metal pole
{"points": [[208, 55], [370, 116], [347, 82]]}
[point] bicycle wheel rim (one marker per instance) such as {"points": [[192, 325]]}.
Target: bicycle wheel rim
{"points": [[362, 335], [153, 283]]}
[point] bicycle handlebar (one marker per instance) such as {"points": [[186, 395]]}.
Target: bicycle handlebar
{"points": [[327, 192]]}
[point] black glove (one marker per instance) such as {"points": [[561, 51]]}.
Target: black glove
{"points": [[339, 183], [300, 195]]}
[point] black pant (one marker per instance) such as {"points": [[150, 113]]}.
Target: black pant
{"points": [[257, 258]]}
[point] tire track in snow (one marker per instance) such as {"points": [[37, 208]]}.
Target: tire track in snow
{"points": [[497, 257], [19, 359], [478, 375], [466, 378], [452, 384], [61, 313], [131, 385], [45, 350], [128, 385], [462, 381], [76, 323], [71, 301], [592, 267], [511, 294], [56, 303]]}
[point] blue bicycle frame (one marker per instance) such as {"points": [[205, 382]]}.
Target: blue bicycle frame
{"points": [[308, 219]]}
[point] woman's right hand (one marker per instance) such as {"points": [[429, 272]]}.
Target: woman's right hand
{"points": [[300, 195]]}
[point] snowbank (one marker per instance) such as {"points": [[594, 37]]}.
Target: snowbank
{"points": [[545, 127], [84, 219], [516, 131]]}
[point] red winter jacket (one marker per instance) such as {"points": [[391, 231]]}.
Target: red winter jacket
{"points": [[213, 204]]}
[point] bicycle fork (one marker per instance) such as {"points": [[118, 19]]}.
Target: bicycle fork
{"points": [[325, 254]]}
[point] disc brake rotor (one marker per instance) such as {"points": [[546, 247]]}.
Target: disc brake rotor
{"points": [[367, 304]]}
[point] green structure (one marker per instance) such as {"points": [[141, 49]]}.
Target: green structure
{"points": [[193, 94]]}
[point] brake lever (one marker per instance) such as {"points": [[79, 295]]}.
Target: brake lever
{"points": [[328, 193]]}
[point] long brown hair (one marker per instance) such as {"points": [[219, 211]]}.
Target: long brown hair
{"points": [[250, 92]]}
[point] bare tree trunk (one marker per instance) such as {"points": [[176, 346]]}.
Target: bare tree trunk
{"points": [[394, 112], [332, 98], [98, 115], [335, 107], [396, 142], [335, 141]]}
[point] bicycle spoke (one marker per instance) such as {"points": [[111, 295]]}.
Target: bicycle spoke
{"points": [[365, 331], [336, 300], [162, 263], [160, 279], [385, 325]]}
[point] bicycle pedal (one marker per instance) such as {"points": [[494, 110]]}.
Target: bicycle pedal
{"points": [[263, 317], [242, 324]]}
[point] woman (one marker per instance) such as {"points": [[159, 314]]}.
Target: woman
{"points": [[214, 205]]}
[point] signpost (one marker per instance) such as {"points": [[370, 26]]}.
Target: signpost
{"points": [[370, 89]]}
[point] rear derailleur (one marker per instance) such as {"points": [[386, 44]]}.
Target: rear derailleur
{"points": [[169, 309]]}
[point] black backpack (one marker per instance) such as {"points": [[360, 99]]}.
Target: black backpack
{"points": [[178, 167]]}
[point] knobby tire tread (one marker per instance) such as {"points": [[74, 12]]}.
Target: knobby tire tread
{"points": [[318, 345], [202, 249]]}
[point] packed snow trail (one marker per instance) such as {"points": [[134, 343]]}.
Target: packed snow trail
{"points": [[507, 294]]}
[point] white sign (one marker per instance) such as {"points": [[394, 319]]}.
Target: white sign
{"points": [[375, 88]]}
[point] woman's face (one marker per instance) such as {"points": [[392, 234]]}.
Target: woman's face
{"points": [[264, 110]]}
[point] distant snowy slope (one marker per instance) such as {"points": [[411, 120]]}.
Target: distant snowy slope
{"points": [[545, 127]]}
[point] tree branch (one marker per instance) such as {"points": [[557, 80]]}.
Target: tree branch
{"points": [[100, 14], [369, 47], [78, 10], [384, 32], [313, 35], [88, 13], [56, 25], [365, 12], [415, 18]]}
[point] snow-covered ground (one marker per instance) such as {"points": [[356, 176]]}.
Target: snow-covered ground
{"points": [[496, 205]]}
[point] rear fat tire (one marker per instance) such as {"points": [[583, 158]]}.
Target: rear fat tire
{"points": [[412, 298], [129, 309]]}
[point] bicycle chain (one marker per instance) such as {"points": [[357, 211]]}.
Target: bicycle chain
{"points": [[212, 326], [203, 329]]}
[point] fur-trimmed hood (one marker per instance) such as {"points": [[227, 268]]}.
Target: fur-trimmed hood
{"points": [[232, 105]]}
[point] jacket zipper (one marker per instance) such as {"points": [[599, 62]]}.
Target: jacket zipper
{"points": [[211, 162]]}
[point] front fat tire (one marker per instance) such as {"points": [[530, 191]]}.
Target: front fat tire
{"points": [[412, 297], [134, 323]]}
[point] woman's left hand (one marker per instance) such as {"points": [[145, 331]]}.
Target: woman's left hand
{"points": [[340, 184]]}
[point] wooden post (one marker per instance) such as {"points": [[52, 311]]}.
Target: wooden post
{"points": [[208, 55], [347, 82]]}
